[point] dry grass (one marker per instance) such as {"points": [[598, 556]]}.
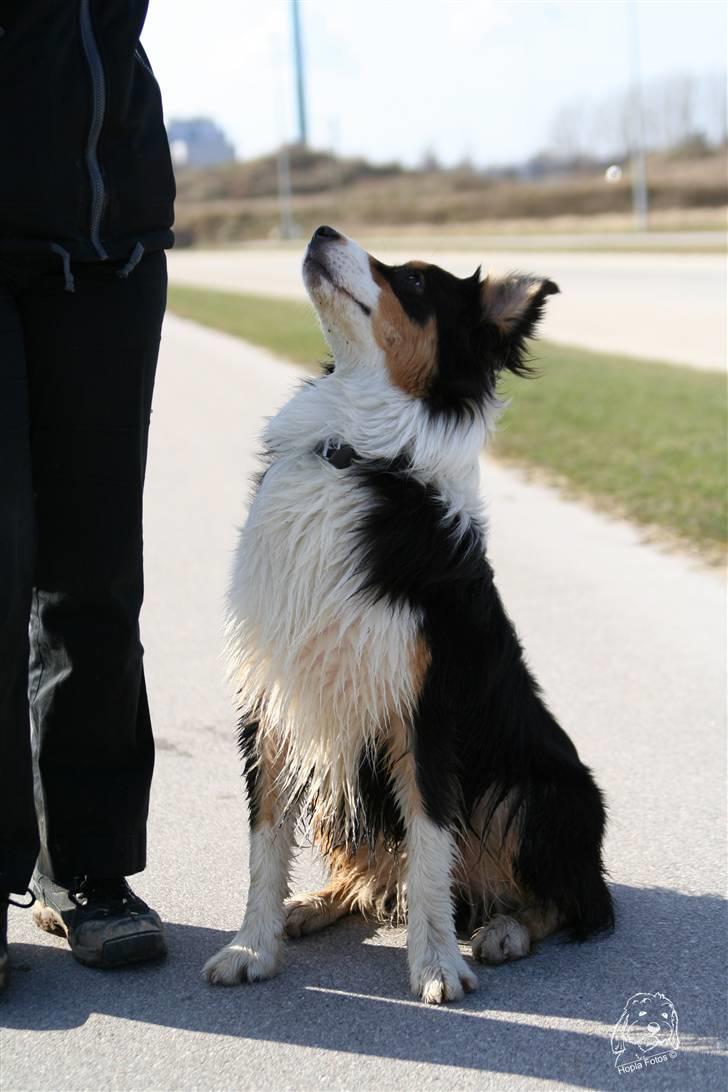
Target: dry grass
{"points": [[238, 202]]}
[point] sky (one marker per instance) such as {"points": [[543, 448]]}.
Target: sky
{"points": [[392, 79]]}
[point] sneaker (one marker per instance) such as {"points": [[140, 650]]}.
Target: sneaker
{"points": [[106, 924]]}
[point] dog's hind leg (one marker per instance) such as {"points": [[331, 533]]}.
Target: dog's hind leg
{"points": [[367, 882], [254, 953], [543, 864], [309, 913], [506, 937], [507, 917]]}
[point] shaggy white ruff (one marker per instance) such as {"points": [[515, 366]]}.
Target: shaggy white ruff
{"points": [[324, 665]]}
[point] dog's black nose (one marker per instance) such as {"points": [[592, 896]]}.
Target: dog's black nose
{"points": [[326, 232]]}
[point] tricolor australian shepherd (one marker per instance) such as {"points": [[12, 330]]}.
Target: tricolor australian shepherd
{"points": [[385, 696]]}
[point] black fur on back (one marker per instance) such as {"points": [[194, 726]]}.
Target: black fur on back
{"points": [[482, 729]]}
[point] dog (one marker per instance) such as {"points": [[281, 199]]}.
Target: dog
{"points": [[384, 694], [648, 1026]]}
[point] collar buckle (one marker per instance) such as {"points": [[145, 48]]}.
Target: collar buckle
{"points": [[337, 453]]}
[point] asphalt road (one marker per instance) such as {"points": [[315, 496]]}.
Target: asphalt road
{"points": [[668, 307], [630, 646]]}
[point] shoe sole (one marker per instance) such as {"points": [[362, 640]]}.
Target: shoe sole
{"points": [[137, 948]]}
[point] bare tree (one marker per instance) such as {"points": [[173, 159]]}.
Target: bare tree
{"points": [[715, 101], [671, 118], [429, 160], [679, 110], [569, 134], [610, 126]]}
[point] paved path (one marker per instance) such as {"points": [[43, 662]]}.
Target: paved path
{"points": [[657, 306], [629, 644]]}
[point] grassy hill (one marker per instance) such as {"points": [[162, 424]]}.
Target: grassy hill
{"points": [[239, 201]]}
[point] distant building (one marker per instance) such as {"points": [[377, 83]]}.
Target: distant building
{"points": [[198, 142]]}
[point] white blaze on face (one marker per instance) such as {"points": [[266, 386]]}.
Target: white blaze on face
{"points": [[338, 278], [363, 320]]}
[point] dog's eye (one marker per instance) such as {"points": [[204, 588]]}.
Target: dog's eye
{"points": [[664, 1016], [415, 281]]}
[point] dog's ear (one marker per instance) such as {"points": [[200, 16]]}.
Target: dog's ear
{"points": [[674, 1037], [618, 1043], [665, 1001], [511, 308]]}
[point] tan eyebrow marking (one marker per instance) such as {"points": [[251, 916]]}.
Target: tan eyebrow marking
{"points": [[410, 349]]}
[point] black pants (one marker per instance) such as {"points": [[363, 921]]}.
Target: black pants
{"points": [[76, 379]]}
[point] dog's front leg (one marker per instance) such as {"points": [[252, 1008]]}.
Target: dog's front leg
{"points": [[438, 972], [254, 953]]}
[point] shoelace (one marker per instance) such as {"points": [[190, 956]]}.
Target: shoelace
{"points": [[93, 889]]}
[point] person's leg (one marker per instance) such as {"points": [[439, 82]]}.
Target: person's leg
{"points": [[91, 358], [18, 827]]}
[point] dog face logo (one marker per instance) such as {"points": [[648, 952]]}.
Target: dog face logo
{"points": [[647, 1031], [437, 337]]}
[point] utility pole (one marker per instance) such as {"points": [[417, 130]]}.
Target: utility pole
{"points": [[283, 160], [637, 125], [288, 227], [298, 63]]}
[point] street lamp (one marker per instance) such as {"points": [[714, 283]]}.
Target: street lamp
{"points": [[298, 63], [637, 125]]}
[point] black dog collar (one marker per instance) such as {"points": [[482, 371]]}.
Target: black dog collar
{"points": [[337, 453]]}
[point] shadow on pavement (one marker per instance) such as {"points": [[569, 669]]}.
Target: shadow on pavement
{"points": [[665, 941]]}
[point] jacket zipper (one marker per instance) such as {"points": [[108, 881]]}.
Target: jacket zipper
{"points": [[98, 91], [140, 56]]}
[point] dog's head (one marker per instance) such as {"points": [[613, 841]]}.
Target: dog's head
{"points": [[440, 338], [649, 1021]]}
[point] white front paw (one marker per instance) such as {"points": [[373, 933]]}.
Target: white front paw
{"points": [[242, 962], [442, 976]]}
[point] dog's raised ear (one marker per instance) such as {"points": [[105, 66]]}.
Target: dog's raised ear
{"points": [[511, 309], [665, 1002], [618, 1043]]}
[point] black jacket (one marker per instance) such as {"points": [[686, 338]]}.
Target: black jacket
{"points": [[85, 168]]}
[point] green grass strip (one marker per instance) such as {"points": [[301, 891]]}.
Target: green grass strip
{"points": [[286, 327], [646, 440]]}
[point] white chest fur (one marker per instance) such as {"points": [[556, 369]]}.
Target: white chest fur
{"points": [[325, 664]]}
